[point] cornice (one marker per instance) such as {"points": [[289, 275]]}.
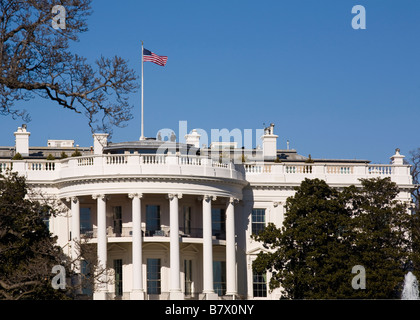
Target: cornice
{"points": [[272, 186], [60, 183]]}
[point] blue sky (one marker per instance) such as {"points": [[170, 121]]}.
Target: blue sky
{"points": [[332, 91]]}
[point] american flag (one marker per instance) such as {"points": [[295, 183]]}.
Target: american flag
{"points": [[152, 57]]}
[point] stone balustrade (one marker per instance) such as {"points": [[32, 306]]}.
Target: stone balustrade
{"points": [[202, 166], [331, 173], [130, 164]]}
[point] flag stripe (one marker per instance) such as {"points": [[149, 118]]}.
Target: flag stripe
{"points": [[152, 57]]}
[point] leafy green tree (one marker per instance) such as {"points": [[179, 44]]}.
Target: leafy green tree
{"points": [[327, 232], [27, 250], [310, 261], [414, 161], [381, 241]]}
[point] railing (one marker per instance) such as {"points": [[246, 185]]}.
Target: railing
{"points": [[155, 233], [188, 160], [298, 169], [122, 164], [154, 159], [120, 232], [219, 234], [339, 169], [219, 164], [320, 169], [380, 170], [110, 232], [191, 232], [149, 163], [84, 161], [163, 232], [116, 159], [41, 166], [346, 173], [5, 166], [264, 168]]}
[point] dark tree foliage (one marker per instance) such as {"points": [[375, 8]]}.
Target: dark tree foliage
{"points": [[414, 161], [326, 232], [27, 250], [415, 173], [382, 242], [310, 260], [36, 60]]}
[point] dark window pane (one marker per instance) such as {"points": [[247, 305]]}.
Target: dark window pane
{"points": [[219, 277], [153, 276], [152, 219], [258, 220], [259, 284], [118, 277], [85, 220]]}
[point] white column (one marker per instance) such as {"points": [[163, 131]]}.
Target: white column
{"points": [[231, 286], [208, 287], [75, 230], [137, 290], [175, 284], [102, 247]]}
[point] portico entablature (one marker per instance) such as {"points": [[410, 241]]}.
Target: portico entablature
{"points": [[156, 185]]}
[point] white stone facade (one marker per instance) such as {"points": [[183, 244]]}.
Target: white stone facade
{"points": [[130, 203]]}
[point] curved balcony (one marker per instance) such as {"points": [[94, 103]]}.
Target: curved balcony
{"points": [[127, 164]]}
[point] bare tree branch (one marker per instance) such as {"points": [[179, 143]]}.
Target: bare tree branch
{"points": [[35, 60]]}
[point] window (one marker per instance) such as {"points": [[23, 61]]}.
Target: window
{"points": [[188, 277], [187, 220], [259, 282], [153, 276], [219, 277], [218, 218], [86, 275], [46, 214], [85, 221], [118, 220], [118, 277], [46, 222], [152, 219], [258, 220]]}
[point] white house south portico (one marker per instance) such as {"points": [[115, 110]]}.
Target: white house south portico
{"points": [[177, 224], [150, 206], [142, 226]]}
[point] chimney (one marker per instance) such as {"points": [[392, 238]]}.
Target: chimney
{"points": [[269, 143], [100, 140], [22, 141], [193, 138]]}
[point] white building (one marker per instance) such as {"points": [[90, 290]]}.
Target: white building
{"points": [[129, 200]]}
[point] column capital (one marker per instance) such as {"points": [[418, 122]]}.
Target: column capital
{"points": [[233, 200], [99, 196], [170, 196], [135, 195], [72, 199], [207, 197]]}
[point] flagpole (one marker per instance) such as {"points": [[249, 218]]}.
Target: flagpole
{"points": [[142, 94]]}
